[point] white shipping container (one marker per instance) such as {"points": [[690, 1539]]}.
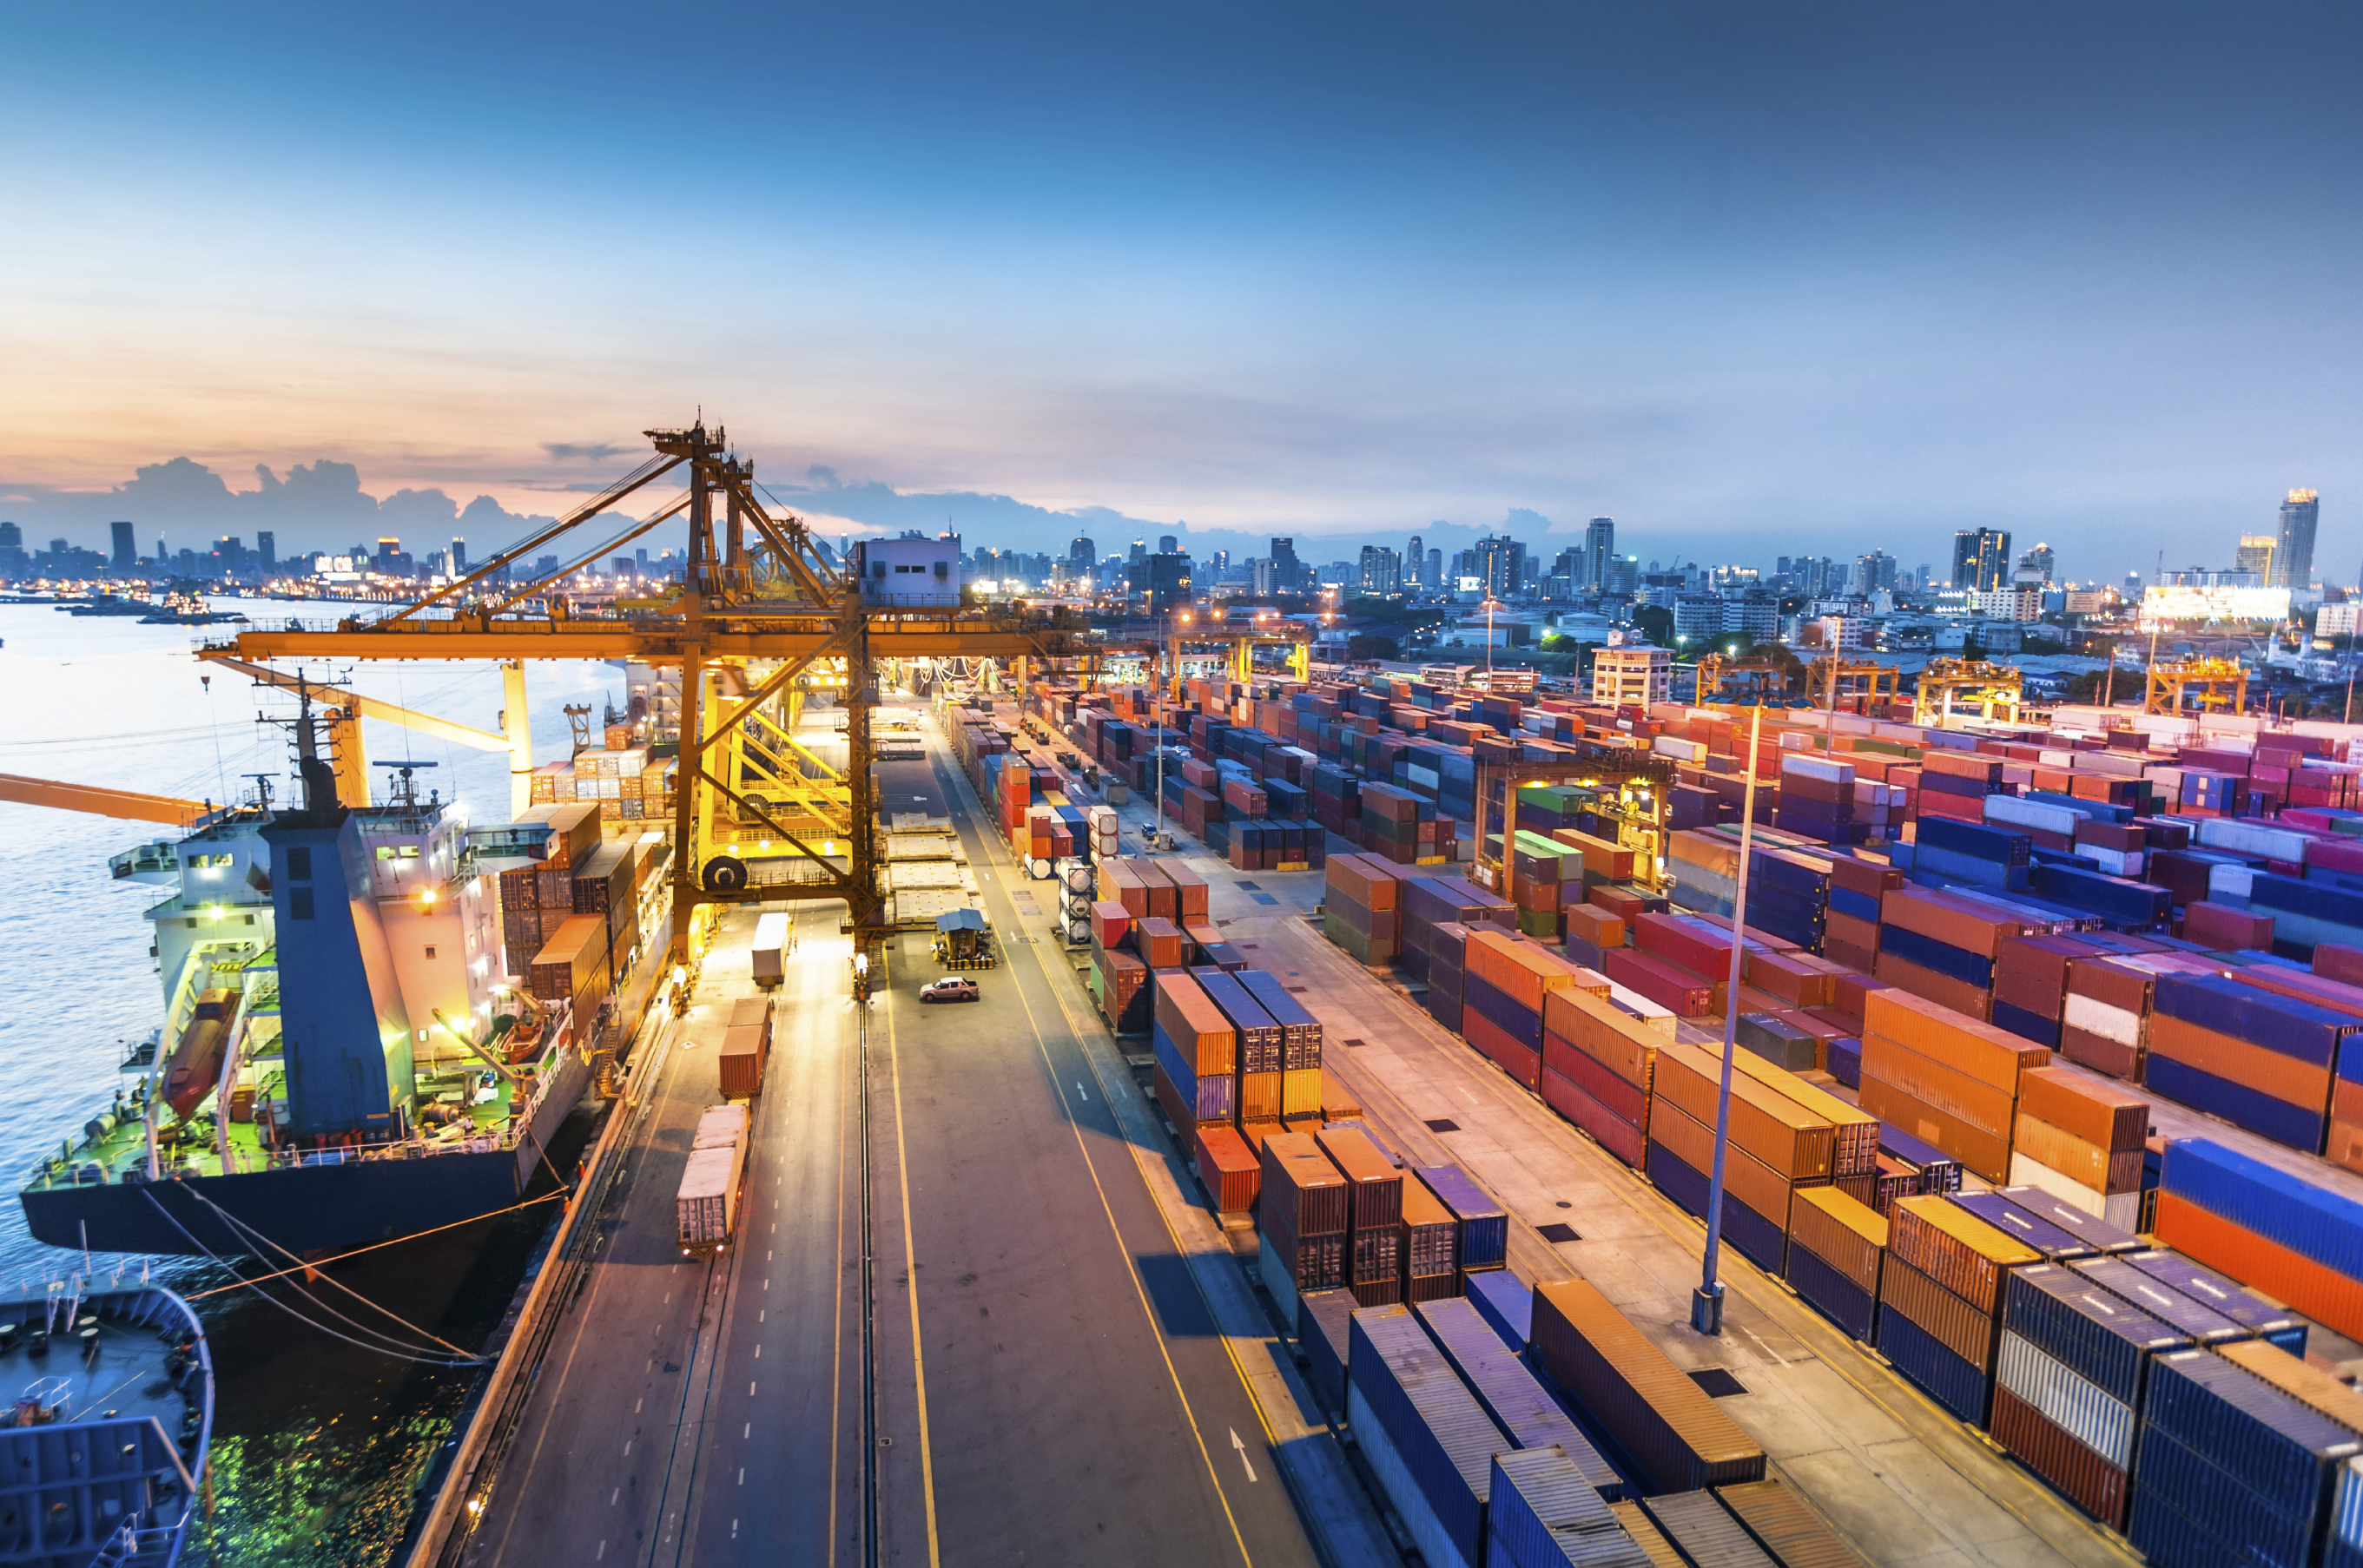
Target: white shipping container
{"points": [[2121, 1209], [2253, 838], [2226, 883], [708, 1200], [771, 936], [1818, 768], [2067, 1398], [2116, 862], [719, 1126], [1680, 749], [1657, 1020], [2099, 1018], [2012, 811]]}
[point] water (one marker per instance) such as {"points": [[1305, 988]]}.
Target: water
{"points": [[317, 1445]]}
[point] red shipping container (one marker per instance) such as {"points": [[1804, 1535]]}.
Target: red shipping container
{"points": [[1610, 1132], [1521, 1061], [1233, 1173], [1689, 994]]}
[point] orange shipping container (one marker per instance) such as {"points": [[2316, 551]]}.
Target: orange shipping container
{"points": [[1677, 1435], [1956, 1249], [1767, 1124], [1232, 1173], [1188, 890], [1854, 1146], [2254, 1066], [2100, 1114], [1595, 925], [1197, 1027], [745, 1047], [1951, 1321], [1522, 971], [1369, 882], [1747, 1178], [1978, 1151], [1842, 1231], [1989, 1055], [1609, 1035], [1158, 890], [1944, 990], [2321, 1294]]}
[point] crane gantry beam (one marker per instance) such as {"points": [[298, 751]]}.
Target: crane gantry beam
{"points": [[758, 589]]}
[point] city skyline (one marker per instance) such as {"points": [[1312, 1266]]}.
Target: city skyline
{"points": [[1723, 275]]}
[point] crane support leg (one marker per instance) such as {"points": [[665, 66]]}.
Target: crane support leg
{"points": [[518, 726]]}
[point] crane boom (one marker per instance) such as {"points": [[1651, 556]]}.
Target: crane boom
{"points": [[98, 800], [370, 707]]}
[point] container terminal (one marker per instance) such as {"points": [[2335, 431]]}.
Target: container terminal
{"points": [[1361, 1069]]}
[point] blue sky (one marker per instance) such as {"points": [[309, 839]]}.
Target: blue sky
{"points": [[1752, 279]]}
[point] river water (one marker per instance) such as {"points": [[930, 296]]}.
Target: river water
{"points": [[318, 1445]]}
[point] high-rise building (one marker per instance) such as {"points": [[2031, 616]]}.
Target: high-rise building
{"points": [[2293, 553], [1381, 572], [1166, 544], [1432, 574], [1081, 556], [126, 554], [2133, 585], [1287, 577], [1981, 558], [1874, 573], [1160, 581], [1598, 546], [266, 550], [1140, 549], [2036, 564], [460, 555], [2255, 557], [1500, 565], [1414, 562]]}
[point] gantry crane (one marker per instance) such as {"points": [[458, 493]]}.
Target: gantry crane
{"points": [[2198, 686], [1948, 687], [760, 597], [1859, 686], [1761, 677]]}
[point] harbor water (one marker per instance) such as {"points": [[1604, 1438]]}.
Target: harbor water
{"points": [[320, 1444]]}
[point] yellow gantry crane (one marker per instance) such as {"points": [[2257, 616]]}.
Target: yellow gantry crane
{"points": [[2198, 686], [1858, 686], [761, 614], [1949, 687]]}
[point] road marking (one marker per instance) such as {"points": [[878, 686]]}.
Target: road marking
{"points": [[616, 1497], [749, 1432], [742, 1475], [759, 1311], [911, 1269], [603, 1552], [1243, 1452], [758, 1352], [1079, 1089], [627, 1448], [750, 1388], [638, 1403]]}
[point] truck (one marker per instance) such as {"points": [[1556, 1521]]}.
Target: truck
{"points": [[708, 1200], [746, 1047], [771, 942]]}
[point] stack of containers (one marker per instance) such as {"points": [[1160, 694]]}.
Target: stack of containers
{"points": [[1942, 946], [2105, 1017], [1509, 1392], [1776, 1146], [1505, 982], [1427, 1439], [2254, 1316], [1426, 902], [2030, 983], [1944, 1077], [1447, 976], [1954, 784], [1484, 1227], [1374, 1215], [1680, 1439], [2081, 1141], [1591, 934], [1599, 1061], [2231, 1468], [1260, 1050], [1850, 923], [2069, 1375], [2300, 1243], [1300, 1042], [1196, 1077], [1430, 1245], [1817, 798], [1940, 1295], [1358, 908], [2260, 1060], [1300, 1240], [1836, 1247]]}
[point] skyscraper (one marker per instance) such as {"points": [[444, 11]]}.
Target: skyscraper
{"points": [[1382, 571], [1081, 556], [127, 554], [2255, 555], [1432, 574], [1285, 573], [2040, 562], [266, 549], [1981, 558], [460, 555], [2293, 555], [1500, 564], [1599, 546], [1414, 563]]}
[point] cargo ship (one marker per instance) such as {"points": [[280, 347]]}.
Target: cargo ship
{"points": [[105, 1445], [374, 1020]]}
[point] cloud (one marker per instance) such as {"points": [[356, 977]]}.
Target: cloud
{"points": [[587, 451]]}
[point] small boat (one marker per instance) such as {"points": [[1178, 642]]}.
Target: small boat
{"points": [[196, 1063], [105, 1445]]}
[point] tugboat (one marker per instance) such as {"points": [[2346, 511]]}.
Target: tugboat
{"points": [[347, 1056], [105, 1442]]}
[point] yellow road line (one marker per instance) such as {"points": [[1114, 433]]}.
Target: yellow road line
{"points": [[911, 1273], [1041, 1044]]}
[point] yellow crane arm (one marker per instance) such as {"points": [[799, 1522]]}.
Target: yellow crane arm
{"points": [[99, 800], [370, 707]]}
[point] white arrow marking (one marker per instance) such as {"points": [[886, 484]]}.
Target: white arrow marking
{"points": [[1243, 1452], [1079, 1089]]}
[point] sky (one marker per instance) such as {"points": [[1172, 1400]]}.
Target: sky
{"points": [[1752, 279]]}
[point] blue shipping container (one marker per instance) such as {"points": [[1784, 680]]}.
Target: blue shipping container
{"points": [[1950, 1381], [1506, 1304], [1973, 968], [2268, 1322], [2238, 1104], [2199, 1324], [1519, 1405], [1430, 1442], [2188, 1513], [1844, 1302], [1214, 1098], [1484, 1227], [2102, 1338], [2098, 1235], [2026, 1025], [1325, 1329], [1543, 1514], [1506, 1013], [2282, 1451], [2016, 1222], [2283, 1024]]}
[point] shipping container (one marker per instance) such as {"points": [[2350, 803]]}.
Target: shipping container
{"points": [[2268, 1320], [1231, 1171], [1542, 1512], [1665, 1421], [1785, 1526], [1506, 1304], [1484, 1227], [2070, 1465], [569, 957], [707, 1199], [1705, 1530], [1302, 1189], [1519, 1404], [1324, 1325], [1956, 1249], [2099, 1336], [770, 940], [1427, 1439], [1430, 1246], [2230, 1469], [1961, 1388], [746, 1048]]}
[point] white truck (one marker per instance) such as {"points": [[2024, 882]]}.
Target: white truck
{"points": [[709, 1183], [771, 942]]}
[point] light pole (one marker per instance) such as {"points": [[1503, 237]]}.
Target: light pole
{"points": [[1173, 649], [1491, 605], [1706, 1301]]}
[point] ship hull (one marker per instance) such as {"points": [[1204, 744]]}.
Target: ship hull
{"points": [[306, 1208]]}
